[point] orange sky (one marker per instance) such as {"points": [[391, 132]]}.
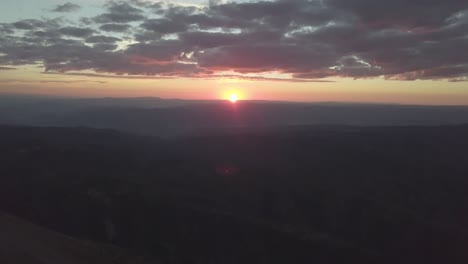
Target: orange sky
{"points": [[31, 80]]}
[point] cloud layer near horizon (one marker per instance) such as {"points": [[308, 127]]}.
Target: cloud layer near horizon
{"points": [[307, 39]]}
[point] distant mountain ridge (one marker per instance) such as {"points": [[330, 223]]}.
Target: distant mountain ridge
{"points": [[175, 117]]}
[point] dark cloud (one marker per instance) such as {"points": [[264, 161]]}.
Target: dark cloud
{"points": [[187, 17], [155, 7], [166, 50], [114, 27], [28, 24], [103, 75], [6, 29], [67, 7], [76, 32], [308, 39], [120, 12], [164, 26], [105, 46], [205, 40], [402, 13], [45, 34], [267, 57], [453, 71], [147, 36], [102, 39]]}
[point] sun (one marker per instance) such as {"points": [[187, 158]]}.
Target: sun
{"points": [[233, 98], [233, 95]]}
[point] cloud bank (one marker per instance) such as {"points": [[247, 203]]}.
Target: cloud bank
{"points": [[305, 39], [67, 7]]}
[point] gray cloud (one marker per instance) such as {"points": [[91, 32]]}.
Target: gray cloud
{"points": [[120, 12], [105, 46], [164, 26], [49, 81], [212, 3], [267, 57], [307, 39], [76, 32], [6, 29], [28, 24], [102, 39], [402, 13], [162, 51], [67, 7], [114, 27], [72, 81]]}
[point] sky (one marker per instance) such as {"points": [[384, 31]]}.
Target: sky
{"points": [[377, 51]]}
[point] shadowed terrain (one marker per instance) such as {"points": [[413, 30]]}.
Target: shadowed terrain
{"points": [[25, 243], [323, 194]]}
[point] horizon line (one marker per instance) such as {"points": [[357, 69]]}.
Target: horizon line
{"points": [[77, 97]]}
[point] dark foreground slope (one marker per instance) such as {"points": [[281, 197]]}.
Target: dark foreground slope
{"points": [[304, 195], [26, 243]]}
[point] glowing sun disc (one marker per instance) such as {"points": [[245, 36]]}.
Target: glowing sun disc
{"points": [[233, 98]]}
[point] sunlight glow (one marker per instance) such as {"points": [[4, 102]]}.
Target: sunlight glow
{"points": [[232, 94], [233, 98]]}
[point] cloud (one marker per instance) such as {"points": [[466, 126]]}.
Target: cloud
{"points": [[50, 81], [6, 29], [306, 39], [28, 24], [102, 39], [120, 12], [213, 3], [76, 32], [401, 13], [105, 46], [267, 57], [67, 7], [72, 81], [102, 75], [2, 68], [198, 76], [114, 27], [164, 26]]}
